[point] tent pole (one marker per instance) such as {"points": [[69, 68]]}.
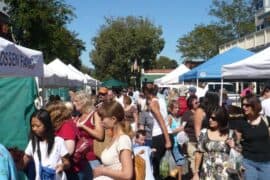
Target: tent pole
{"points": [[96, 87], [221, 92], [42, 92], [197, 83]]}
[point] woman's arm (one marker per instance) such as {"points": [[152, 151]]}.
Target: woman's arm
{"points": [[70, 144], [64, 165], [176, 130], [198, 118], [98, 132], [125, 173], [154, 106], [136, 118]]}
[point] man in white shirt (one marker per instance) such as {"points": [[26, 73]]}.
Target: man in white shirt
{"points": [[266, 101]]}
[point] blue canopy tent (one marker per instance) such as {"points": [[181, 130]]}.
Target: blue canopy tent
{"points": [[211, 69]]}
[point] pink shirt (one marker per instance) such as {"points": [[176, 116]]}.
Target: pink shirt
{"points": [[245, 91]]}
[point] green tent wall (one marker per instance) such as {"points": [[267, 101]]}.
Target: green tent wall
{"points": [[16, 106]]}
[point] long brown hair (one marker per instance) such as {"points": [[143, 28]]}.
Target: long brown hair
{"points": [[58, 113]]}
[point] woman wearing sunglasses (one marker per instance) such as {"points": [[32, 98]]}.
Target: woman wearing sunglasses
{"points": [[254, 135], [214, 147]]}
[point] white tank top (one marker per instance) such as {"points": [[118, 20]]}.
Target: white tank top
{"points": [[163, 110]]}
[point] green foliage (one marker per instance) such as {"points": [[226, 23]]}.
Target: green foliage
{"points": [[40, 24], [121, 42], [235, 18], [202, 42], [164, 62]]}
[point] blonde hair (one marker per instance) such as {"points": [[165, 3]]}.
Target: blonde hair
{"points": [[87, 101], [58, 113], [69, 106], [173, 94]]}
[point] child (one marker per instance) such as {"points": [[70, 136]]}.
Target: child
{"points": [[49, 152], [139, 138], [175, 125], [140, 148]]}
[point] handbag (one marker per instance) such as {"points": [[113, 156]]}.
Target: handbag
{"points": [[46, 173], [139, 167], [81, 148], [235, 160], [82, 145]]}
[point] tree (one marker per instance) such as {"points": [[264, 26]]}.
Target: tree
{"points": [[41, 25], [202, 42], [124, 44], [236, 16], [164, 62]]}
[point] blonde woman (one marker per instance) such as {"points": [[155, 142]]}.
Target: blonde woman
{"points": [[88, 123]]}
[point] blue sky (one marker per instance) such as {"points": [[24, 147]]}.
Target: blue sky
{"points": [[176, 17]]}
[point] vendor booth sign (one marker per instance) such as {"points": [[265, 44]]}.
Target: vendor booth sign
{"points": [[19, 61]]}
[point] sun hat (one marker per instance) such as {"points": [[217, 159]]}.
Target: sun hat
{"points": [[192, 89], [183, 90]]}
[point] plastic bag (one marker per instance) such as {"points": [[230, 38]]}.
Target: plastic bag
{"points": [[182, 138], [167, 165], [235, 159]]}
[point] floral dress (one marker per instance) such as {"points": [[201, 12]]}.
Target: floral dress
{"points": [[215, 157]]}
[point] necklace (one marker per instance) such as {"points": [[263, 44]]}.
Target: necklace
{"points": [[255, 121]]}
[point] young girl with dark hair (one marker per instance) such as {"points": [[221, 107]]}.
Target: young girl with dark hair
{"points": [[48, 152]]}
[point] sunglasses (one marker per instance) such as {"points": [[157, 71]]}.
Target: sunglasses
{"points": [[102, 94], [213, 118], [246, 105]]}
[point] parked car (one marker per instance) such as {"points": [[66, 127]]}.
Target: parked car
{"points": [[229, 87]]}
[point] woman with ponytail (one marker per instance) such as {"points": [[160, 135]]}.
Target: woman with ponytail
{"points": [[117, 156]]}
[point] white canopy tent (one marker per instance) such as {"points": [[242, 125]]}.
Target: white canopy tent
{"points": [[19, 61], [53, 79], [75, 70], [173, 76], [74, 80], [256, 66], [91, 81]]}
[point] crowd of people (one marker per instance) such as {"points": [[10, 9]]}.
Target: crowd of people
{"points": [[97, 137]]}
